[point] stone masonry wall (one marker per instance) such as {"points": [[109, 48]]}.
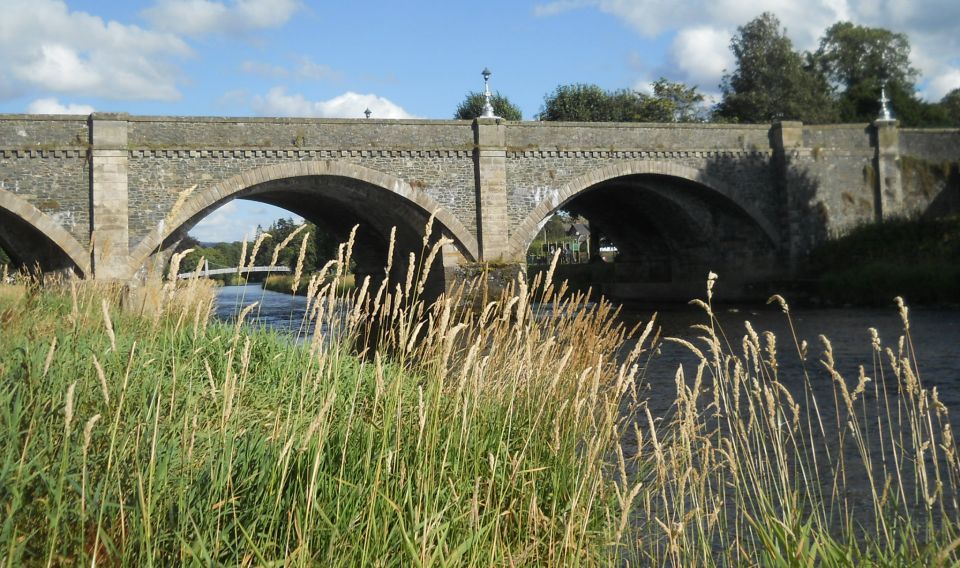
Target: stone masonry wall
{"points": [[170, 155], [43, 160], [825, 183], [158, 176], [543, 157], [292, 133], [534, 176], [930, 167], [833, 177], [934, 145], [556, 136]]}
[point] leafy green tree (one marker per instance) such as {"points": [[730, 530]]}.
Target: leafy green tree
{"points": [[858, 61], [672, 102], [950, 104], [588, 103], [472, 107], [772, 81]]}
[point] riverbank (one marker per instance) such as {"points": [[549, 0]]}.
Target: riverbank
{"points": [[918, 259], [518, 435], [283, 283], [135, 440]]}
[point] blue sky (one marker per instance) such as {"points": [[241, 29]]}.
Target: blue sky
{"points": [[400, 59]]}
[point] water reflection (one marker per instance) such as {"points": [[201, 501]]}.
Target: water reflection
{"points": [[276, 311], [935, 332], [936, 337]]}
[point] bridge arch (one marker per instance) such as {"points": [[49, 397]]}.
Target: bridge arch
{"points": [[43, 232], [527, 230], [251, 183]]}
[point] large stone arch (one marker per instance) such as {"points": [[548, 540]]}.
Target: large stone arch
{"points": [[43, 224], [225, 190], [527, 230]]}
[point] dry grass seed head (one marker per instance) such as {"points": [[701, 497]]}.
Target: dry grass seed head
{"points": [[256, 248], [299, 271], [283, 244]]}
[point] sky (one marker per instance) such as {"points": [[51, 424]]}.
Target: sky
{"points": [[399, 59]]}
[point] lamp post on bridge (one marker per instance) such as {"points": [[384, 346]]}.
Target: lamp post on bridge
{"points": [[884, 109], [487, 97]]}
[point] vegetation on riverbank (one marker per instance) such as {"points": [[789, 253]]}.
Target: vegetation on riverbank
{"points": [[284, 283], [513, 434], [168, 440], [918, 259]]}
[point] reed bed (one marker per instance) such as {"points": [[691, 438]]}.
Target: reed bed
{"points": [[513, 432], [453, 437], [745, 472], [284, 283]]}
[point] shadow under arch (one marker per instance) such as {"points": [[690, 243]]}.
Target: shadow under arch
{"points": [[256, 184], [527, 230], [32, 236]]}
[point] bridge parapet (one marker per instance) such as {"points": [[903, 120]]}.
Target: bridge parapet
{"points": [[111, 181]]}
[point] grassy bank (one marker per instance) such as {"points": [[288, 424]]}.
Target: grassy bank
{"points": [[284, 283], [139, 440], [917, 259], [516, 434]]}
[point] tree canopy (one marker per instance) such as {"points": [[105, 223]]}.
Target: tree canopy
{"points": [[840, 82], [858, 61], [772, 81], [675, 102], [472, 107], [950, 104], [320, 248], [670, 102]]}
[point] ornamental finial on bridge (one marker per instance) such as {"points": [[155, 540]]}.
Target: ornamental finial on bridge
{"points": [[884, 109], [487, 98], [367, 112]]}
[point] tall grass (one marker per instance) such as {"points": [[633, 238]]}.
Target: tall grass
{"points": [[457, 438], [747, 472], [509, 433], [284, 283]]}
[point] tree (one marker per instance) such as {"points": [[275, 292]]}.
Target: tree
{"points": [[950, 104], [4, 259], [670, 102], [472, 107], [673, 102], [587, 103], [772, 81], [858, 61]]}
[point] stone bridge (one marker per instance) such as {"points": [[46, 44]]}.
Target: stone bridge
{"points": [[108, 194]]}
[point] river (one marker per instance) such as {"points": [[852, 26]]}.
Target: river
{"points": [[936, 335]]}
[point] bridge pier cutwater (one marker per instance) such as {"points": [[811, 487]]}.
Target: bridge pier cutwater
{"points": [[109, 194]]}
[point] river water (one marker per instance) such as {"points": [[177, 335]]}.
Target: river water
{"points": [[935, 333]]}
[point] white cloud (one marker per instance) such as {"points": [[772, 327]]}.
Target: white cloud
{"points": [[943, 83], [701, 54], [47, 47], [199, 17], [558, 7], [238, 219], [933, 27], [262, 69], [50, 105], [348, 105], [304, 68], [308, 69]]}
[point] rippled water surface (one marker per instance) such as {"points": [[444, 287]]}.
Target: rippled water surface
{"points": [[935, 333]]}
